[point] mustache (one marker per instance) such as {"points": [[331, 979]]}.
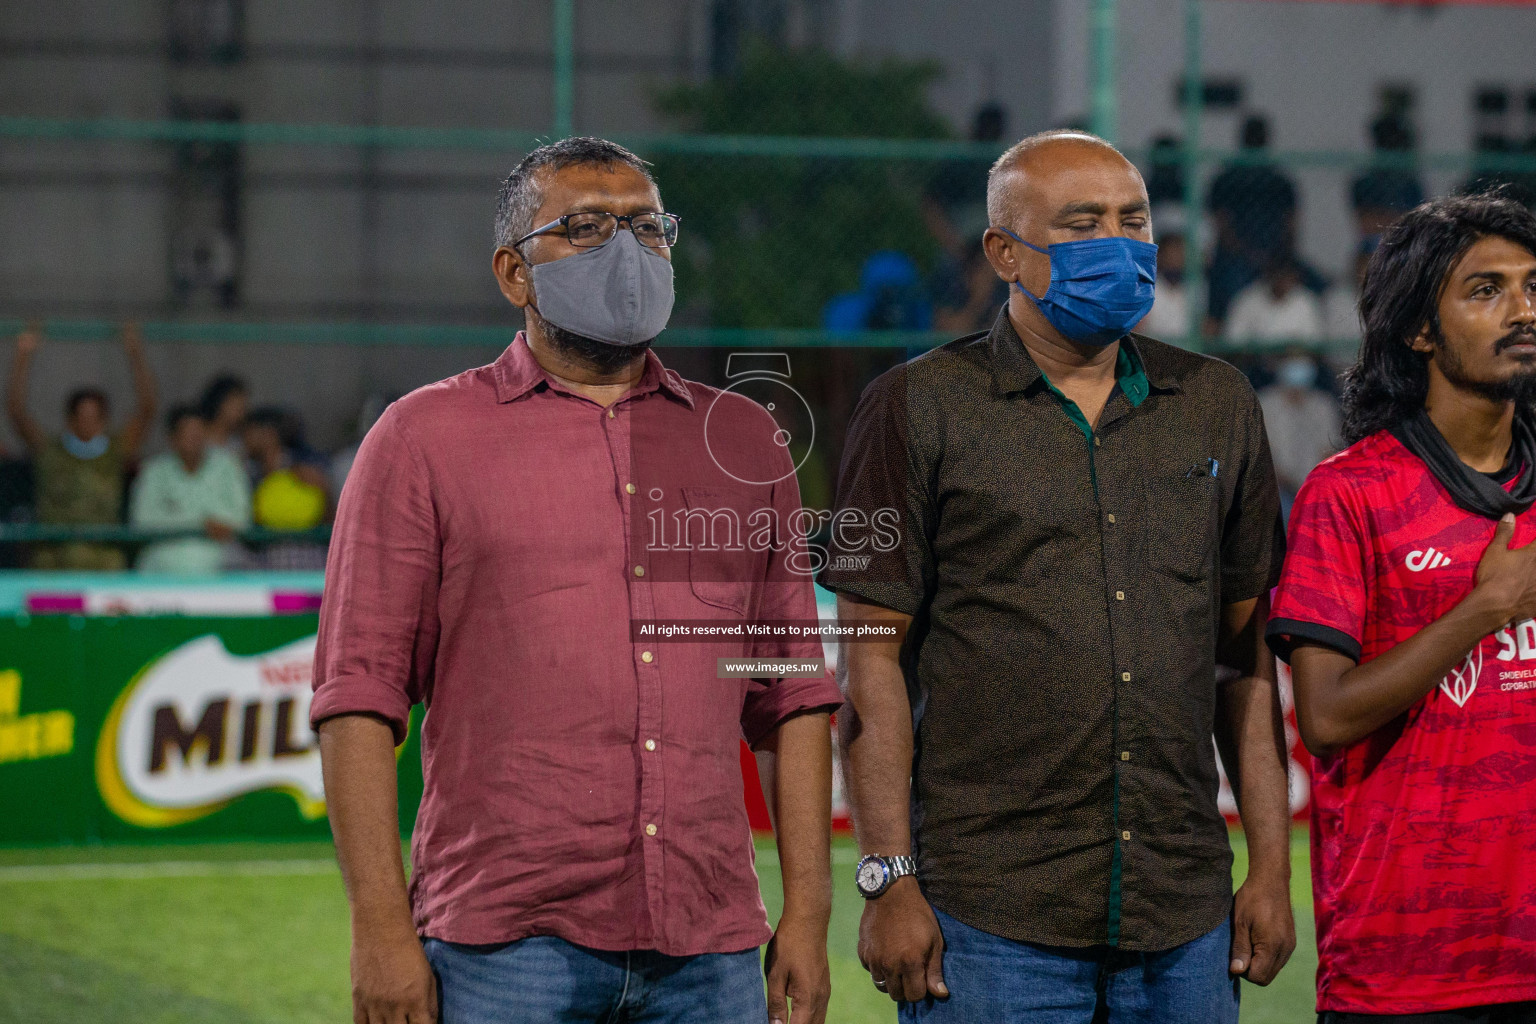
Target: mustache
{"points": [[1518, 336]]}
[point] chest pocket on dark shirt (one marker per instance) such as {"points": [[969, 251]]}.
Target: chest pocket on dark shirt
{"points": [[718, 529], [1181, 526]]}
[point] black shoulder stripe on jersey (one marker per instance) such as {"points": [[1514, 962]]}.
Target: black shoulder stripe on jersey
{"points": [[1284, 634]]}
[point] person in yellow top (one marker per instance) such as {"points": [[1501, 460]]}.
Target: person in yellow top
{"points": [[80, 473]]}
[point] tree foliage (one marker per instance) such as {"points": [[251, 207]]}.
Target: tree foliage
{"points": [[767, 240]]}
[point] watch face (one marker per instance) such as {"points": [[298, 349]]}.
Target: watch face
{"points": [[871, 875]]}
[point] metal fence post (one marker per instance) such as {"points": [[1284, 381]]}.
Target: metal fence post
{"points": [[565, 65], [1104, 102], [1194, 101]]}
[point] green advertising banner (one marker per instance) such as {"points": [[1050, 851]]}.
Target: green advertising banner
{"points": [[164, 728]]}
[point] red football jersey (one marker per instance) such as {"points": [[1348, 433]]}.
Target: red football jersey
{"points": [[1424, 833]]}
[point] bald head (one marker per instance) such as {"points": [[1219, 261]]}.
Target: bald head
{"points": [[1039, 160], [1060, 186]]}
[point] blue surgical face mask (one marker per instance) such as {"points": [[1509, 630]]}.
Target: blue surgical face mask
{"points": [[1297, 372], [95, 448], [1100, 287]]}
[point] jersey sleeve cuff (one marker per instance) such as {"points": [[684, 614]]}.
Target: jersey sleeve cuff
{"points": [[1284, 634]]}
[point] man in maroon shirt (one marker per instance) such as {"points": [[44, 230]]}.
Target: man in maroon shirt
{"points": [[582, 851]]}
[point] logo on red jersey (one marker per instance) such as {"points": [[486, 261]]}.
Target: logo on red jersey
{"points": [[1460, 681], [1429, 558]]}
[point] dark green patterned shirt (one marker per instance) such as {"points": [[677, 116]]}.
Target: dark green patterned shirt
{"points": [[1065, 584]]}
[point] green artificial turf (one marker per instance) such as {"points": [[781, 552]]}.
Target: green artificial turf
{"points": [[260, 937]]}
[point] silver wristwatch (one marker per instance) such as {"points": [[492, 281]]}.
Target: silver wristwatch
{"points": [[875, 874]]}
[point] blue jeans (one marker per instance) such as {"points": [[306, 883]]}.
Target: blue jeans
{"points": [[545, 980], [993, 980]]}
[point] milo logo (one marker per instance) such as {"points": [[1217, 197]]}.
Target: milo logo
{"points": [[199, 727]]}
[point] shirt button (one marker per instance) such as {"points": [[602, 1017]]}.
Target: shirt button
{"points": [[650, 744], [650, 830], [1125, 677], [1119, 595], [1126, 836], [630, 488], [1097, 442], [1125, 755], [639, 570], [610, 414], [647, 657], [1111, 517]]}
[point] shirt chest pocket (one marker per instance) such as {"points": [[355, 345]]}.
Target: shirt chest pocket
{"points": [[1181, 525], [728, 534]]}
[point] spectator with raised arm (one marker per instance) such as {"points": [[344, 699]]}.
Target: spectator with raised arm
{"points": [[194, 486], [80, 473]]}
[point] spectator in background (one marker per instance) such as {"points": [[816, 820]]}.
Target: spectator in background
{"points": [[1302, 420], [1254, 206], [1341, 306], [967, 297], [1388, 190], [194, 486], [966, 291], [955, 201], [1165, 182], [1275, 308], [341, 463], [291, 487], [224, 405], [80, 473], [890, 298], [1169, 319]]}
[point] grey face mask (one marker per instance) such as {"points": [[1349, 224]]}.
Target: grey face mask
{"points": [[620, 293]]}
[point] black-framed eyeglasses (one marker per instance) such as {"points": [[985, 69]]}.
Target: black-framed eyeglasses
{"points": [[590, 230]]}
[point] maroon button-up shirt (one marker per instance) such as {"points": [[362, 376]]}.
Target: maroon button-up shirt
{"points": [[496, 537]]}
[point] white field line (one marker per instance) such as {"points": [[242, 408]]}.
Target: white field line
{"points": [[165, 869], [241, 868]]}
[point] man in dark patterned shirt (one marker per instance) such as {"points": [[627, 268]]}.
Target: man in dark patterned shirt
{"points": [[1089, 526]]}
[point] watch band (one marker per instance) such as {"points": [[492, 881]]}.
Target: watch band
{"points": [[891, 868]]}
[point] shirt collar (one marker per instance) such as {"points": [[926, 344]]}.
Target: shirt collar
{"points": [[516, 372], [1013, 369]]}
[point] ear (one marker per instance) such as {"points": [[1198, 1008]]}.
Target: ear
{"points": [[1000, 254], [512, 276], [1421, 342]]}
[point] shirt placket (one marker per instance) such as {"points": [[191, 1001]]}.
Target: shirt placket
{"points": [[618, 422], [1113, 523]]}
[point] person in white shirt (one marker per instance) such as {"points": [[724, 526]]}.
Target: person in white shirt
{"points": [[191, 487], [1342, 305], [1302, 421], [1169, 319], [1275, 308]]}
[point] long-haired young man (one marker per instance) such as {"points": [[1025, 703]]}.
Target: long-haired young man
{"points": [[1405, 610]]}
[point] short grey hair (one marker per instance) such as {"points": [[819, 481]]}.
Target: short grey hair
{"points": [[998, 207], [522, 191]]}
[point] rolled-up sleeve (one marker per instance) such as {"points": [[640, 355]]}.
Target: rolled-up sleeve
{"points": [[787, 595], [378, 618], [880, 548]]}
